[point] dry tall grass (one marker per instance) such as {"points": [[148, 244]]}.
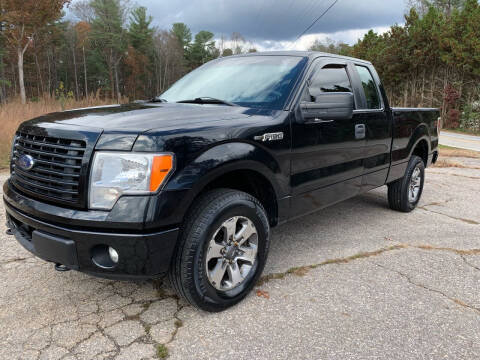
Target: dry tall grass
{"points": [[13, 113], [447, 151]]}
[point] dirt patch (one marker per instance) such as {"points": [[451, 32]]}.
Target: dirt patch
{"points": [[446, 163], [457, 251], [303, 270]]}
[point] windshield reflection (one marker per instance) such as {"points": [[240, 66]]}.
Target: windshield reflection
{"points": [[251, 81]]}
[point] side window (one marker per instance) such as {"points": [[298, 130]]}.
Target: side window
{"points": [[329, 79], [369, 87]]}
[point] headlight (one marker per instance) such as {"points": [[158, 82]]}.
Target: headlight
{"points": [[115, 174]]}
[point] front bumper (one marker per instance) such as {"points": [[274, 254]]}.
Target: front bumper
{"points": [[141, 254]]}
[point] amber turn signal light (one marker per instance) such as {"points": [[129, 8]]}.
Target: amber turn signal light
{"points": [[162, 166]]}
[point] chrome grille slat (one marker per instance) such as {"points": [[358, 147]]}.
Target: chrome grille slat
{"points": [[37, 184], [37, 177], [53, 163], [44, 153], [53, 146], [57, 171]]}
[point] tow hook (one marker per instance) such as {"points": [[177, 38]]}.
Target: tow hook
{"points": [[9, 231], [61, 267]]}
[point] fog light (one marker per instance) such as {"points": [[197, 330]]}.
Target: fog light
{"points": [[104, 256], [113, 254]]}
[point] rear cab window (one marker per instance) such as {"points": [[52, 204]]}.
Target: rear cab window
{"points": [[370, 89]]}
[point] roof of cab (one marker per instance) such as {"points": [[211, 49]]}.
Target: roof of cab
{"points": [[309, 54]]}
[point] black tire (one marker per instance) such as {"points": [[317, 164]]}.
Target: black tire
{"points": [[188, 270], [398, 191]]}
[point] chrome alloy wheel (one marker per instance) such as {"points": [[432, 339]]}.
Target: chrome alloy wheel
{"points": [[414, 186], [231, 253]]}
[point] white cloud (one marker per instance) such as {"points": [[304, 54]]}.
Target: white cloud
{"points": [[348, 36], [272, 24]]}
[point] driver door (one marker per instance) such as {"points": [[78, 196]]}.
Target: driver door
{"points": [[327, 156]]}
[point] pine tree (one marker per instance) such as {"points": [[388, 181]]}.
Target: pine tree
{"points": [[139, 32], [183, 34], [109, 36], [203, 49], [140, 55]]}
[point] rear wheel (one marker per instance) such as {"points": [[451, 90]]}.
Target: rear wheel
{"points": [[222, 250], [404, 194]]}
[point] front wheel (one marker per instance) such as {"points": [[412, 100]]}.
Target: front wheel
{"points": [[222, 250], [404, 194]]}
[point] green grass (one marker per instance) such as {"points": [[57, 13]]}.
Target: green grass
{"points": [[447, 147], [162, 351], [462, 131]]}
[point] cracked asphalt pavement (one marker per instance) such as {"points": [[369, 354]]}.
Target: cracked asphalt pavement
{"points": [[354, 281]]}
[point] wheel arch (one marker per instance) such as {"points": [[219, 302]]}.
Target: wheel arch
{"points": [[238, 166], [419, 143], [421, 150]]}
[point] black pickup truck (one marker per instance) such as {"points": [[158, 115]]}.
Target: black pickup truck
{"points": [[190, 183]]}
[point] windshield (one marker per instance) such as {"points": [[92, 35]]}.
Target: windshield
{"points": [[251, 81]]}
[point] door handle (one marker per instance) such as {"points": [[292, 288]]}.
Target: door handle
{"points": [[360, 131], [319, 121]]}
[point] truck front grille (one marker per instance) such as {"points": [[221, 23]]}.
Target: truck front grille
{"points": [[57, 170]]}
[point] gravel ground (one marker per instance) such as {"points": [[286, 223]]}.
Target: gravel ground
{"points": [[354, 281]]}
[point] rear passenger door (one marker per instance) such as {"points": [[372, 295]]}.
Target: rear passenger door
{"points": [[327, 156], [371, 111]]}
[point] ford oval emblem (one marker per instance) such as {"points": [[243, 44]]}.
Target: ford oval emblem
{"points": [[25, 162]]}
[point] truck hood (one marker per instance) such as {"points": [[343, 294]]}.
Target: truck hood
{"points": [[139, 118]]}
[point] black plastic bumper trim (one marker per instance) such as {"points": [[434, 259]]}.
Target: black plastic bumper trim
{"points": [[141, 255]]}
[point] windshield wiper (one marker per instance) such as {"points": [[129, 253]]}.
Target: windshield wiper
{"points": [[207, 100], [158, 99]]}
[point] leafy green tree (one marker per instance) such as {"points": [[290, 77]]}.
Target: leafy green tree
{"points": [[203, 49], [462, 44], [22, 21], [330, 46], [435, 54], [109, 36], [445, 6], [227, 52]]}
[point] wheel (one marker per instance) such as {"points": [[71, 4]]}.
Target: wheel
{"points": [[404, 194], [222, 250]]}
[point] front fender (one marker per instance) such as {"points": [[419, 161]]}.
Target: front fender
{"points": [[171, 204], [227, 157]]}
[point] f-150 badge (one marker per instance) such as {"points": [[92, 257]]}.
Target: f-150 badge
{"points": [[269, 137]]}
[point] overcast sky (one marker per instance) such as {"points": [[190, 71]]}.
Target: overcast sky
{"points": [[275, 24]]}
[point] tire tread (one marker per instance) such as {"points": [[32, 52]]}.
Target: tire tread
{"points": [[398, 189], [195, 221]]}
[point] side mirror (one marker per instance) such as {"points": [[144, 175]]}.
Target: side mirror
{"points": [[328, 106]]}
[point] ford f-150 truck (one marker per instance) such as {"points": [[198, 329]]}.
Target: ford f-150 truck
{"points": [[190, 183]]}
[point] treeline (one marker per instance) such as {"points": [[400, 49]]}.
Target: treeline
{"points": [[432, 60], [113, 51], [110, 50]]}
